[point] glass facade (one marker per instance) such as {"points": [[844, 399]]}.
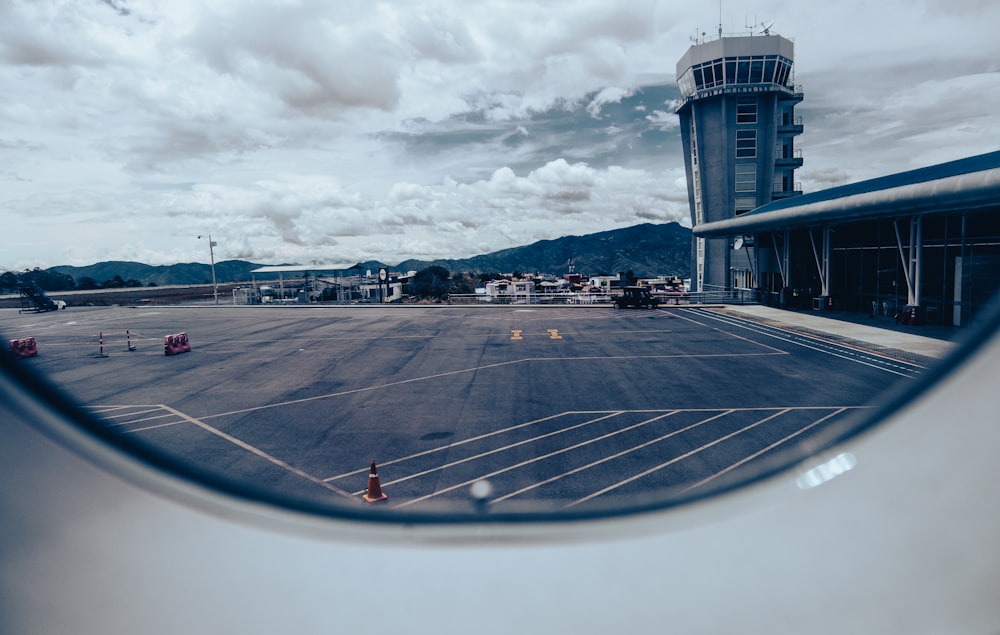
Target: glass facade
{"points": [[736, 71]]}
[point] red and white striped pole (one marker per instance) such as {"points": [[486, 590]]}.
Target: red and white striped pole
{"points": [[101, 340], [128, 341]]}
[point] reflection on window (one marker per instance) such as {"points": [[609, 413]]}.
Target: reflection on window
{"points": [[746, 177], [745, 203]]}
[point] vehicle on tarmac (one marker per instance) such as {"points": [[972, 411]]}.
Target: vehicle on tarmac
{"points": [[637, 297]]}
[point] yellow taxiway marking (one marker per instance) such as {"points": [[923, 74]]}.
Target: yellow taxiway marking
{"points": [[516, 335], [554, 334]]}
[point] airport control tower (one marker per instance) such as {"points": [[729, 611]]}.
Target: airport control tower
{"points": [[738, 126]]}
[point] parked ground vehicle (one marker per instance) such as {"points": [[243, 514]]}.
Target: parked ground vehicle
{"points": [[638, 297]]}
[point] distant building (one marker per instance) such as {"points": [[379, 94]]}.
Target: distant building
{"points": [[738, 125], [510, 291]]}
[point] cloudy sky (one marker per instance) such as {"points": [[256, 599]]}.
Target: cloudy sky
{"points": [[312, 131]]}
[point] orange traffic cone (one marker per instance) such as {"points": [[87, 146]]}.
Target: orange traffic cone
{"points": [[374, 492]]}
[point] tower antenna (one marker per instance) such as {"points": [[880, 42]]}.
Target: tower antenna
{"points": [[720, 19]]}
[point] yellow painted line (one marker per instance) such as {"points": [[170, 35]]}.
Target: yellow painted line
{"points": [[516, 335], [554, 334]]}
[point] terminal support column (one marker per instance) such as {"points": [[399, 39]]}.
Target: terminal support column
{"points": [[822, 265], [911, 258]]}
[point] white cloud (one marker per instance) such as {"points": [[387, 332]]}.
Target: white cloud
{"points": [[662, 120], [611, 95], [311, 130]]}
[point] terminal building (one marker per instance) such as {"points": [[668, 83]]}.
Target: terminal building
{"points": [[919, 246], [923, 245]]}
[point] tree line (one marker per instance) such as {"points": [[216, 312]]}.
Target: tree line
{"points": [[437, 283], [434, 282], [55, 281]]}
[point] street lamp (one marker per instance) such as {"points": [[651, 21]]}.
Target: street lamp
{"points": [[211, 253]]}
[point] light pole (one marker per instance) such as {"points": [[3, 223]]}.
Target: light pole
{"points": [[211, 253]]}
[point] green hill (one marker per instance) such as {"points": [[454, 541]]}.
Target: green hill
{"points": [[160, 275], [645, 250]]}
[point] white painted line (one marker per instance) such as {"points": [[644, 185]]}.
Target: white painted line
{"points": [[761, 330], [258, 452], [131, 421], [162, 425], [132, 413], [745, 339], [481, 437], [693, 452], [104, 408], [572, 447], [523, 463], [474, 369], [763, 451], [675, 459]]}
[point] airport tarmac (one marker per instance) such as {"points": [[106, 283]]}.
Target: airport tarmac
{"points": [[555, 407]]}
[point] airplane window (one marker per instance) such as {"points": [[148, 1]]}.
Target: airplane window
{"points": [[458, 413], [619, 362]]}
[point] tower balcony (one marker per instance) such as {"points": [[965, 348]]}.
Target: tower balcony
{"points": [[788, 162], [794, 94], [794, 161], [780, 194], [794, 127]]}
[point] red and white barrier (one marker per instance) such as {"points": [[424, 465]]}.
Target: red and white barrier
{"points": [[176, 344], [23, 347]]}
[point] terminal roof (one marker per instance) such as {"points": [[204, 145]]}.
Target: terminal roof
{"points": [[970, 184]]}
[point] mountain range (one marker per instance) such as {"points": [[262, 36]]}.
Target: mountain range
{"points": [[645, 250]]}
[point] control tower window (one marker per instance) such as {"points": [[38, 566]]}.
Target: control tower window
{"points": [[746, 144], [783, 72], [769, 64], [743, 71], [746, 111], [745, 204], [746, 177], [686, 84]]}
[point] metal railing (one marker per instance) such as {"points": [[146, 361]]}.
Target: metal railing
{"points": [[584, 299], [708, 296]]}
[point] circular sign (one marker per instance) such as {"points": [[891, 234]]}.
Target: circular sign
{"points": [[383, 274]]}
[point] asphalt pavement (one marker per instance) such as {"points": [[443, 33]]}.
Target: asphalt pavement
{"points": [[555, 406], [882, 334]]}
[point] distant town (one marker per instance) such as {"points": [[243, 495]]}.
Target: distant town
{"points": [[573, 269]]}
